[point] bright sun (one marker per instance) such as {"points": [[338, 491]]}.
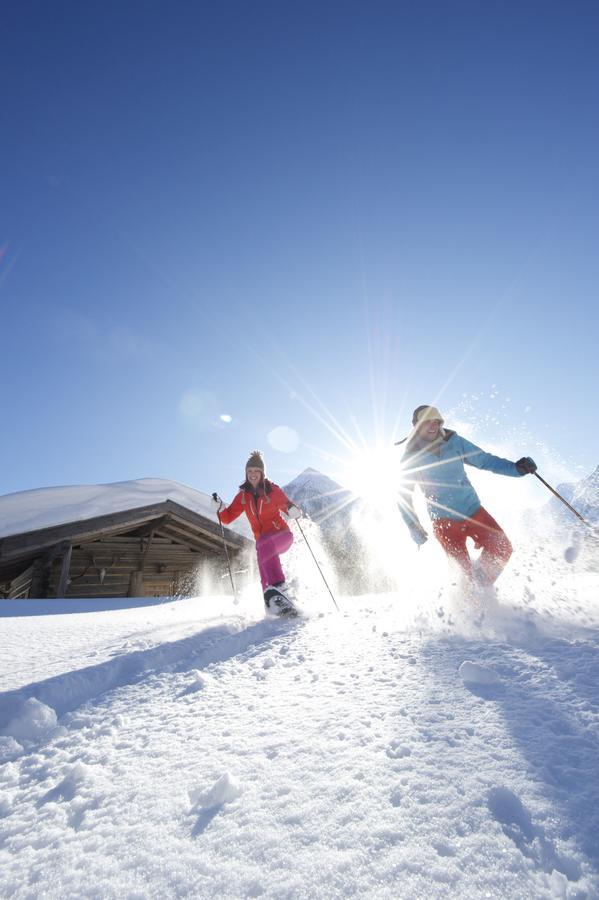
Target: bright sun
{"points": [[374, 473]]}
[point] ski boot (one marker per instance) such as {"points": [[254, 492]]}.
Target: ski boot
{"points": [[277, 601]]}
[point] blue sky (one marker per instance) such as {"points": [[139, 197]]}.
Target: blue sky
{"points": [[313, 216]]}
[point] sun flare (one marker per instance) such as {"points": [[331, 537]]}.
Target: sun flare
{"points": [[374, 473]]}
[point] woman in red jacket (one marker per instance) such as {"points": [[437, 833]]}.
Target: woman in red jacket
{"points": [[263, 502]]}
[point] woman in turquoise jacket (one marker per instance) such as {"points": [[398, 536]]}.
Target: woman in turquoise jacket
{"points": [[434, 459]]}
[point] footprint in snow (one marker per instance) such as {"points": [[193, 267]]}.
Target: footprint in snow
{"points": [[571, 553], [516, 823], [70, 785]]}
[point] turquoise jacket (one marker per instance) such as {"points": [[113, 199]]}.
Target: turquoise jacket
{"points": [[439, 470]]}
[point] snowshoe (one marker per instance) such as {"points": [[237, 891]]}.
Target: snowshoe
{"points": [[278, 602]]}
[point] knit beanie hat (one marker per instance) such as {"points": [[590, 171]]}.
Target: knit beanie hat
{"points": [[425, 414], [256, 461]]}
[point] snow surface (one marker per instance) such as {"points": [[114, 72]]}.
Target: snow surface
{"points": [[45, 507], [410, 745]]}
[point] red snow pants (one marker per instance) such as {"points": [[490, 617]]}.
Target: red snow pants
{"points": [[486, 533]]}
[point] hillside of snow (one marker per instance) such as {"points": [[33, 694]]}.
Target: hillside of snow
{"points": [[414, 744], [45, 507], [421, 742]]}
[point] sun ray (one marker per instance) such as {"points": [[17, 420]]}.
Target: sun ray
{"points": [[336, 429]]}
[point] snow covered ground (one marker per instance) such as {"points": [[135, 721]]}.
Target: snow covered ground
{"points": [[397, 748]]}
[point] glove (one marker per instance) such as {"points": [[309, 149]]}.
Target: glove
{"points": [[419, 535], [217, 504], [294, 512], [526, 465]]}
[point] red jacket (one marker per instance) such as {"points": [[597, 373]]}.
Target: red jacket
{"points": [[263, 512]]}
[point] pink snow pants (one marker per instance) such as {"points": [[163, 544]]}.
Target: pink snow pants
{"points": [[269, 547]]}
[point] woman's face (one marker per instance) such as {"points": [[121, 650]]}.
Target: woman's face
{"points": [[254, 476]]}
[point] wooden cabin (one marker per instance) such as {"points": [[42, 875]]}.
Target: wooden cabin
{"points": [[149, 551]]}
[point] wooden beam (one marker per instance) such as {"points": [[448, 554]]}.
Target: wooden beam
{"points": [[63, 580], [234, 540], [191, 539], [151, 527], [136, 585], [39, 579]]}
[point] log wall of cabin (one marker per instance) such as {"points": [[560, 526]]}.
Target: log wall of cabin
{"points": [[165, 567]]}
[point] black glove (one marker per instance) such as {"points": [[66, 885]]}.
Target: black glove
{"points": [[526, 465]]}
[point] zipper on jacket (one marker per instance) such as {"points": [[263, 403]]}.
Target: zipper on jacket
{"points": [[255, 499], [257, 509]]}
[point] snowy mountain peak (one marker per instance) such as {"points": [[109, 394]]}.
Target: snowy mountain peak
{"points": [[586, 495], [583, 495], [316, 493], [316, 481], [309, 474]]}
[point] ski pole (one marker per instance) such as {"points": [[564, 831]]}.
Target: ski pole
{"points": [[222, 531], [564, 501], [316, 561]]}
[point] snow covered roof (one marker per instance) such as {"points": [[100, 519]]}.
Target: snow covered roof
{"points": [[45, 507]]}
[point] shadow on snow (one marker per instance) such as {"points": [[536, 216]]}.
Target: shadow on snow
{"points": [[551, 711], [66, 692]]}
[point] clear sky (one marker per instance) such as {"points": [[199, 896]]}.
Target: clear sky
{"points": [[301, 216]]}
